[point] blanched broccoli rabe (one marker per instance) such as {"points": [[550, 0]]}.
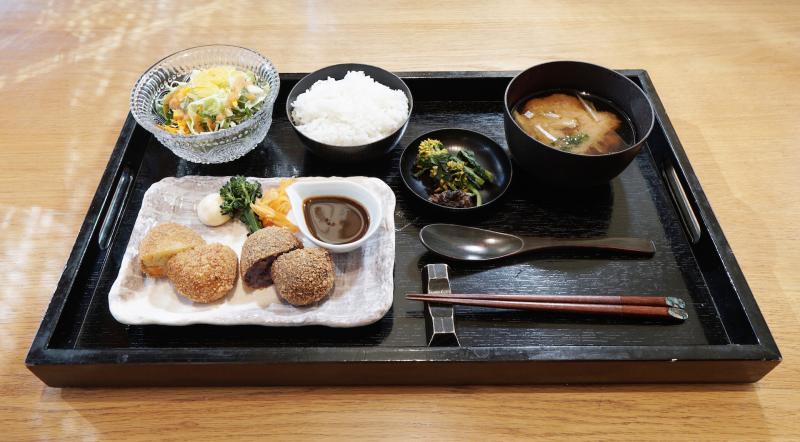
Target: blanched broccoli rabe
{"points": [[237, 195], [449, 171]]}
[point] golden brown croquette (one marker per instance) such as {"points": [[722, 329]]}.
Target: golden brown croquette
{"points": [[303, 276], [205, 273]]}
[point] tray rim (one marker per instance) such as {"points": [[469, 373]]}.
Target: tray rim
{"points": [[765, 350]]}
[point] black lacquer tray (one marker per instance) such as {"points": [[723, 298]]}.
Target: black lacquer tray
{"points": [[658, 197]]}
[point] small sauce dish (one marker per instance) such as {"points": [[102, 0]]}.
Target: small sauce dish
{"points": [[321, 204]]}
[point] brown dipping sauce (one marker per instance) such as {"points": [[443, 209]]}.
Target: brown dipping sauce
{"points": [[335, 219]]}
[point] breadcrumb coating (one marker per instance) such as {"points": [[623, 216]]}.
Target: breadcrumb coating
{"points": [[204, 274], [303, 276], [260, 249]]}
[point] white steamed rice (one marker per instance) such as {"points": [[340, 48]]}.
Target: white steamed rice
{"points": [[352, 111]]}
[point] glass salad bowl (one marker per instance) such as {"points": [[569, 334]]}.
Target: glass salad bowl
{"points": [[222, 145]]}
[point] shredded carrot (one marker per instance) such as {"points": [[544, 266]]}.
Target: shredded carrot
{"points": [[274, 205]]}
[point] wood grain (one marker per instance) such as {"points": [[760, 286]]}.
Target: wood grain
{"points": [[726, 71]]}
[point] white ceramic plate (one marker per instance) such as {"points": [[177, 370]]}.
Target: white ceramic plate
{"points": [[364, 277]]}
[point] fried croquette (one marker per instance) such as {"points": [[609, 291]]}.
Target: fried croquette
{"points": [[162, 242], [303, 276], [205, 273], [260, 250]]}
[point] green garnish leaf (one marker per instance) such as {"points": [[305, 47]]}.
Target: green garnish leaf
{"points": [[237, 195], [569, 142]]}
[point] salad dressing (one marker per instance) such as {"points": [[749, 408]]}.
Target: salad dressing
{"points": [[211, 99]]}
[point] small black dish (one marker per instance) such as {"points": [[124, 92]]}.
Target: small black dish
{"points": [[488, 153], [567, 169], [364, 152]]}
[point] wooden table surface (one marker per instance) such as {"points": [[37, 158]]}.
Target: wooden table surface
{"points": [[727, 73]]}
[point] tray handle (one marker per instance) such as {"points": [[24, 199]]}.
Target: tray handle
{"points": [[112, 215], [688, 217]]}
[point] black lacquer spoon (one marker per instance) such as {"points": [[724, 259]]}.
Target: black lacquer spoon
{"points": [[472, 244]]}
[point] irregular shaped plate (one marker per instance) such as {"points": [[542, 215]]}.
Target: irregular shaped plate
{"points": [[364, 277]]}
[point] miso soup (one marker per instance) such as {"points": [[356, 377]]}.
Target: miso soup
{"points": [[575, 121]]}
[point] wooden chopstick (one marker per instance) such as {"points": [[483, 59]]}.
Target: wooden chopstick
{"points": [[604, 309], [655, 301]]}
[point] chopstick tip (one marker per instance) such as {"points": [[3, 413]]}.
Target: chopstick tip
{"points": [[675, 302], [678, 313]]}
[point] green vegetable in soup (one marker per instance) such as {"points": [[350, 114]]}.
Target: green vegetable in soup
{"points": [[570, 141]]}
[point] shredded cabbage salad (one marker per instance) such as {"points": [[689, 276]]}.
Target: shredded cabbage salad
{"points": [[216, 98]]}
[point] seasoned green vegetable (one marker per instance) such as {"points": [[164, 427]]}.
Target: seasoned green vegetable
{"points": [[237, 195], [448, 171]]}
